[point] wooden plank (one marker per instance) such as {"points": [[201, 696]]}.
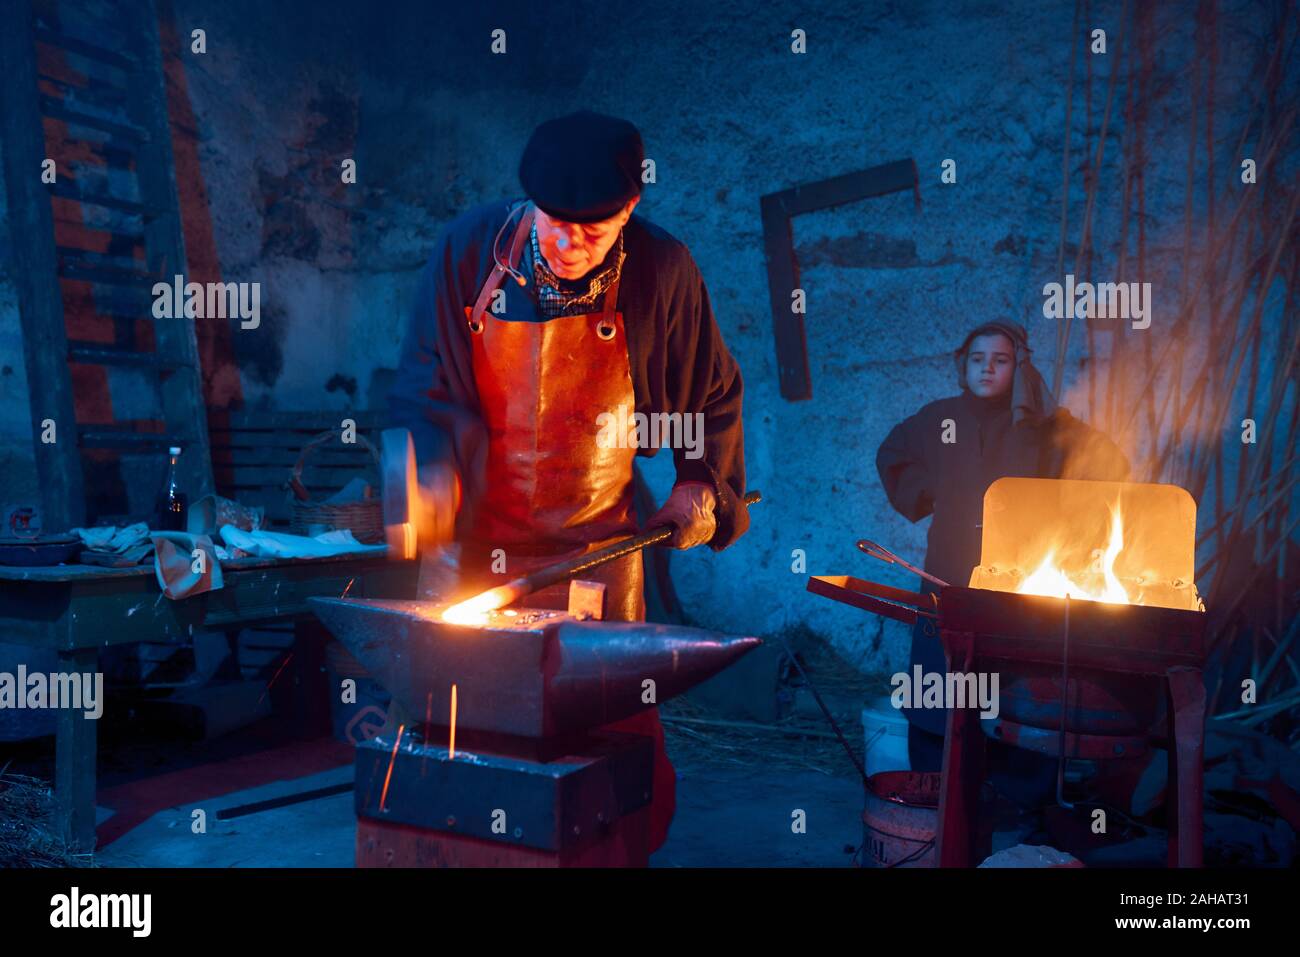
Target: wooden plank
{"points": [[81, 47], [93, 353], [102, 437], [61, 574], [120, 258], [282, 440], [53, 108], [182, 391], [315, 477], [68, 190], [74, 91], [40, 305], [122, 303], [75, 753], [285, 457], [77, 234], [265, 591], [310, 421], [109, 275]]}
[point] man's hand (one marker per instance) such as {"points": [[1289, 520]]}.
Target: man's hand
{"points": [[689, 508]]}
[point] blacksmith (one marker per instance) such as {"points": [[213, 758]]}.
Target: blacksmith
{"points": [[535, 322]]}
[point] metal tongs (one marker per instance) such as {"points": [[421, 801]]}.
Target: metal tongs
{"points": [[885, 555], [896, 603]]}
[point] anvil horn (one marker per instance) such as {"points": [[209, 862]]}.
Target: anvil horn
{"points": [[553, 677]]}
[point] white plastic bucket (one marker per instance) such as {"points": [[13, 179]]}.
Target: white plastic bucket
{"points": [[884, 730]]}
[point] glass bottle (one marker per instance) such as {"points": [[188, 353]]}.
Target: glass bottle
{"points": [[172, 502]]}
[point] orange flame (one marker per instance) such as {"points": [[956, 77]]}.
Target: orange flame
{"points": [[1055, 582]]}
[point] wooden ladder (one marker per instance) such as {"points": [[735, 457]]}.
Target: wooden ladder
{"points": [[83, 86]]}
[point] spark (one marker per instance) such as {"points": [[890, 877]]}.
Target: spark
{"points": [[348, 589], [383, 796], [451, 743], [275, 676]]}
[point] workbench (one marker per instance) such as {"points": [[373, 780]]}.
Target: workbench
{"points": [[79, 609]]}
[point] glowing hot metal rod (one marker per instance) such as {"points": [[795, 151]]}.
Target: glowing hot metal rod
{"points": [[474, 610]]}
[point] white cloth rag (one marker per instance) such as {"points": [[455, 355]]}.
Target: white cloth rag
{"points": [[282, 545], [112, 538]]}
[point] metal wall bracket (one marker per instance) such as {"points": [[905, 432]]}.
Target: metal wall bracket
{"points": [[778, 211]]}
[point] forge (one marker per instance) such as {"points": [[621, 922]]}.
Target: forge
{"points": [[1084, 603], [498, 757]]}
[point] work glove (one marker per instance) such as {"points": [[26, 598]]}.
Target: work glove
{"points": [[689, 508]]}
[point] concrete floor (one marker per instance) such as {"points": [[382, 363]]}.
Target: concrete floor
{"points": [[727, 815]]}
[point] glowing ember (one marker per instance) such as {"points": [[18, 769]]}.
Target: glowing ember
{"points": [[1053, 581], [475, 610]]}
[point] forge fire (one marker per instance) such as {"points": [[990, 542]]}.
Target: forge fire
{"points": [[854, 436]]}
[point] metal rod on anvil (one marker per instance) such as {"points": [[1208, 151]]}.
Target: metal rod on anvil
{"points": [[517, 588]]}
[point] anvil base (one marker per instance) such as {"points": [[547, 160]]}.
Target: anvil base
{"points": [[625, 844], [418, 807]]}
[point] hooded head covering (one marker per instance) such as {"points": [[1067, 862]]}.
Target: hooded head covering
{"points": [[1031, 400]]}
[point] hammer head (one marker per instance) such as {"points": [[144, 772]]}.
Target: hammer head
{"points": [[420, 501], [401, 491]]}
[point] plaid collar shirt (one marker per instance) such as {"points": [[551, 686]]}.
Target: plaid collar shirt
{"points": [[572, 297]]}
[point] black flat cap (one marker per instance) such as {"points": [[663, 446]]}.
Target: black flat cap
{"points": [[583, 167]]}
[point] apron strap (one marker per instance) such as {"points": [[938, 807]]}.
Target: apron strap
{"points": [[611, 303], [494, 277]]}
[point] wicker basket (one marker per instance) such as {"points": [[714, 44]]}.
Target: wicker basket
{"points": [[365, 519]]}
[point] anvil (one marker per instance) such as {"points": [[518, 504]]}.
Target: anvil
{"points": [[525, 673]]}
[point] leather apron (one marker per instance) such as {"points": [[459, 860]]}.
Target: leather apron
{"points": [[552, 491]]}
